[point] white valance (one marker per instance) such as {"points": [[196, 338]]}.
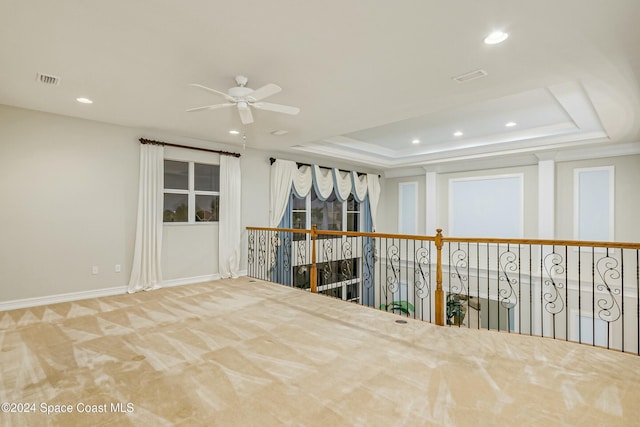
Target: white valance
{"points": [[302, 180], [322, 182], [359, 186], [342, 184], [286, 175]]}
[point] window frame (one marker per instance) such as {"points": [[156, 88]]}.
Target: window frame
{"points": [[344, 225], [191, 193]]}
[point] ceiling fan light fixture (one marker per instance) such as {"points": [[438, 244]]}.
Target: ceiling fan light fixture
{"points": [[246, 99], [496, 37]]}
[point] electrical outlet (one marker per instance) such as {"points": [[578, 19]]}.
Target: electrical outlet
{"points": [[94, 269], [118, 268]]}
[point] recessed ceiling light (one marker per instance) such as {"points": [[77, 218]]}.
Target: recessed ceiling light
{"points": [[511, 124], [84, 100], [234, 132], [496, 37], [458, 133], [415, 141]]}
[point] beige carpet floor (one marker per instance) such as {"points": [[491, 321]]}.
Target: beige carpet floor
{"points": [[246, 353]]}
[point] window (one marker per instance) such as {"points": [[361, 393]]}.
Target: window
{"points": [[326, 214], [490, 206], [593, 203], [339, 277], [408, 208], [191, 192]]}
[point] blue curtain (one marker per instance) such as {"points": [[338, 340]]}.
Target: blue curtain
{"points": [[281, 271], [368, 256]]}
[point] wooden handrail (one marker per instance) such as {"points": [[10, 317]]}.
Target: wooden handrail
{"points": [[545, 242], [345, 233], [439, 241]]}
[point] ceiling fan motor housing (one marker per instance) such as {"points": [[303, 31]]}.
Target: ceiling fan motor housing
{"points": [[239, 91]]}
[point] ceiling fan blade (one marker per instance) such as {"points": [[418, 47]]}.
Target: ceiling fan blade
{"points": [[263, 92], [276, 107], [217, 92], [211, 107], [245, 115]]}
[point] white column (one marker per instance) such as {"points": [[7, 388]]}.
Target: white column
{"points": [[546, 199], [431, 210]]}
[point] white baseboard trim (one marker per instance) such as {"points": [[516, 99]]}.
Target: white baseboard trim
{"points": [[190, 280], [97, 293], [58, 298]]}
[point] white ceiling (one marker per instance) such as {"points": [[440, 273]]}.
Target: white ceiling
{"points": [[369, 76]]}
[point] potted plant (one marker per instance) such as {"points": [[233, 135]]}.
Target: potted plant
{"points": [[401, 307], [456, 309]]}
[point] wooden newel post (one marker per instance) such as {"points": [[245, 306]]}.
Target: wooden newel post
{"points": [[314, 270], [439, 292]]}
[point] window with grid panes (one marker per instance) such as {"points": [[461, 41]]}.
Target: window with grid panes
{"points": [[191, 192], [329, 214]]}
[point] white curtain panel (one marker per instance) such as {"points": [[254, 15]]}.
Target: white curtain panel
{"points": [[230, 217], [342, 184], [303, 180], [373, 185], [323, 182], [146, 273], [359, 186], [282, 172]]}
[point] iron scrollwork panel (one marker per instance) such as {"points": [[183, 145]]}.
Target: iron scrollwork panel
{"points": [[609, 309], [346, 263], [553, 266], [508, 268], [251, 250], [393, 268], [262, 250], [459, 260], [369, 253], [422, 275]]}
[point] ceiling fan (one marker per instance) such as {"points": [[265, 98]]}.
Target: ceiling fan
{"points": [[244, 98]]}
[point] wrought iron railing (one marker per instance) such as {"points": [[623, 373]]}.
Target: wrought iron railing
{"points": [[585, 292]]}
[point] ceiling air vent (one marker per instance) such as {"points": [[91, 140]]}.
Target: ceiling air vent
{"points": [[48, 79], [470, 76]]}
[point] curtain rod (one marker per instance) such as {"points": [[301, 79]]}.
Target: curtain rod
{"points": [[168, 144], [273, 159]]}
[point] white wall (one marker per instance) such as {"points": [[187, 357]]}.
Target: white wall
{"points": [[626, 200], [69, 200], [388, 207]]}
